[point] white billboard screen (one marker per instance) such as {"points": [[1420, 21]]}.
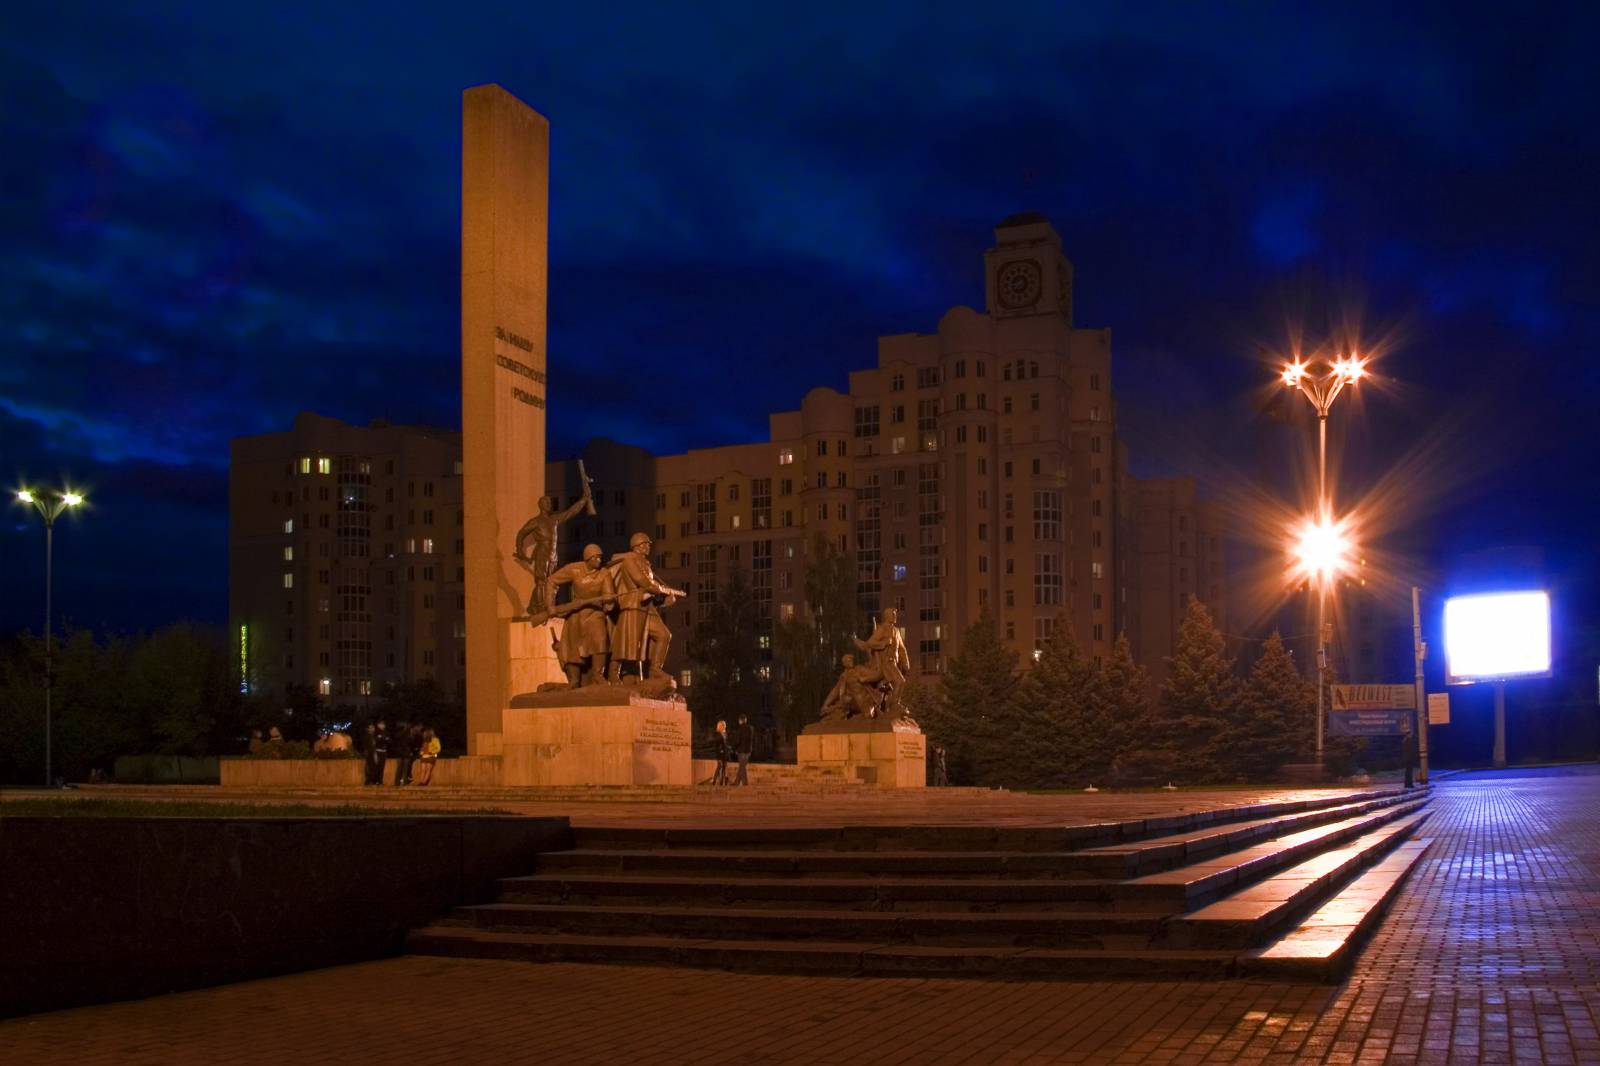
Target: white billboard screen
{"points": [[1497, 635]]}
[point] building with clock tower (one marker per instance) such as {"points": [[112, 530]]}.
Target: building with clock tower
{"points": [[975, 469]]}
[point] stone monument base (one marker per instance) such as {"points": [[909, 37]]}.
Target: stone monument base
{"points": [[874, 751], [605, 735]]}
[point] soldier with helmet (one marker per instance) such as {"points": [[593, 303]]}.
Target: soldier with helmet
{"points": [[640, 636], [585, 645]]}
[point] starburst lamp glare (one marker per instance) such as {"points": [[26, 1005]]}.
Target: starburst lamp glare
{"points": [[1497, 635], [1321, 549]]}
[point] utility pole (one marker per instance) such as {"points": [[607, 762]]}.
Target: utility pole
{"points": [[1419, 651]]}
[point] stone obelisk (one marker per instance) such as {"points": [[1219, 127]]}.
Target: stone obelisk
{"points": [[505, 169]]}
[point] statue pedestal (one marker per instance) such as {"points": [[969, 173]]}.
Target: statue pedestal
{"points": [[885, 754], [604, 735]]}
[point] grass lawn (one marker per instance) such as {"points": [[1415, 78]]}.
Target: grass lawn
{"points": [[133, 808]]}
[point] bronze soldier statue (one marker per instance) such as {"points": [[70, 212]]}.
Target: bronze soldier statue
{"points": [[535, 549], [640, 636], [887, 660], [585, 645]]}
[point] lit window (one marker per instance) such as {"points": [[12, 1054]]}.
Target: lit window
{"points": [[786, 611], [325, 686], [735, 521], [764, 641], [427, 545], [685, 678], [288, 554], [324, 466], [365, 687], [897, 445], [785, 457], [305, 464], [411, 545], [288, 525], [288, 581], [899, 571]]}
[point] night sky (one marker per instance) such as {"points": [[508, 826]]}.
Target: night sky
{"points": [[218, 215]]}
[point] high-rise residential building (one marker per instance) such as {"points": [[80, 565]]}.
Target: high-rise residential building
{"points": [[345, 558], [973, 470]]}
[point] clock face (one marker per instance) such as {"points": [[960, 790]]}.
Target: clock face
{"points": [[1018, 283]]}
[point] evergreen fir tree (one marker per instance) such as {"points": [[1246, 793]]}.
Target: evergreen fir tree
{"points": [[1124, 710], [1198, 700], [1059, 726], [1274, 717], [973, 716]]}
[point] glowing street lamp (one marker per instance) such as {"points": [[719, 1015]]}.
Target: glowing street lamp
{"points": [[50, 505], [1322, 389]]}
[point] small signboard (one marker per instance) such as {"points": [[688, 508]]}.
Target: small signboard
{"points": [[1371, 710], [1438, 708]]}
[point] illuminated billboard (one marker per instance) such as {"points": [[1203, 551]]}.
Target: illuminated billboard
{"points": [[1497, 635]]}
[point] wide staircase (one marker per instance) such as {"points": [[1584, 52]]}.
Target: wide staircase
{"points": [[1284, 890]]}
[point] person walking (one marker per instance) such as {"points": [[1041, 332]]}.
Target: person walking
{"points": [[428, 756], [723, 750], [941, 772], [744, 742]]}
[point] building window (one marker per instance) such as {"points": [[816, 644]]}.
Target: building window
{"points": [[325, 687], [288, 581], [899, 571], [983, 564], [822, 448], [1096, 570], [927, 377], [288, 525], [427, 545], [733, 491], [705, 508], [897, 446], [1094, 445], [786, 487], [685, 678], [785, 456], [1047, 514], [867, 421], [822, 479], [897, 383], [897, 414], [1094, 382], [961, 433], [1099, 631], [324, 466], [288, 554], [1047, 579], [786, 611]]}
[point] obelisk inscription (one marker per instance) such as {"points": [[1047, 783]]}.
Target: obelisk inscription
{"points": [[505, 162]]}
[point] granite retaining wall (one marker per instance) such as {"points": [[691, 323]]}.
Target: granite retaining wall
{"points": [[96, 909]]}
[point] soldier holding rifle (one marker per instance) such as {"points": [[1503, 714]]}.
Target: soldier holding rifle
{"points": [[640, 635]]}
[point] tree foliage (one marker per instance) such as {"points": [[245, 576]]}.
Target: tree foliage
{"points": [[811, 644], [974, 715], [724, 654], [1197, 702], [1274, 717]]}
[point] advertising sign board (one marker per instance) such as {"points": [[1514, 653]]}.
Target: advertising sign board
{"points": [[1371, 710]]}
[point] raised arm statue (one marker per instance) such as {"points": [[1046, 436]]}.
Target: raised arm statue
{"points": [[536, 544]]}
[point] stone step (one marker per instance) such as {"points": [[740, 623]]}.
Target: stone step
{"points": [[1252, 915], [1119, 861], [1323, 945], [963, 837], [781, 857], [1187, 887], [1040, 929], [836, 957], [861, 893]]}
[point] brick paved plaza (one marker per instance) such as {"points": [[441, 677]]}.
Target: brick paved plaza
{"points": [[1491, 955]]}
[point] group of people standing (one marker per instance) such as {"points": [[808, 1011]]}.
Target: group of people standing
{"points": [[410, 746], [739, 744]]}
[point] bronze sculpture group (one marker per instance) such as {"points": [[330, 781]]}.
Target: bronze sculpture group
{"points": [[613, 618], [612, 610], [876, 687]]}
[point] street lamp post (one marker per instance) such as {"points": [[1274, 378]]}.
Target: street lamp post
{"points": [[1321, 390], [50, 506]]}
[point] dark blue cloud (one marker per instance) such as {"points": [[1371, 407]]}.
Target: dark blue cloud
{"points": [[215, 217]]}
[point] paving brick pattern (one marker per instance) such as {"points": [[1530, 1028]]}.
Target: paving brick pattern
{"points": [[1489, 956]]}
